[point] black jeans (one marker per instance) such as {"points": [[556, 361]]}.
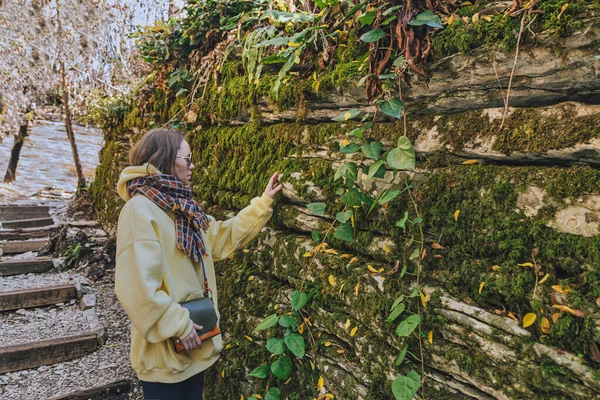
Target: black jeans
{"points": [[190, 389]]}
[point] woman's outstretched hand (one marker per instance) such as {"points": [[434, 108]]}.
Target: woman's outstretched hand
{"points": [[273, 186]]}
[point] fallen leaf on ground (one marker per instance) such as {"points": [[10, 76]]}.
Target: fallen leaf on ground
{"points": [[470, 162], [511, 315], [437, 246]]}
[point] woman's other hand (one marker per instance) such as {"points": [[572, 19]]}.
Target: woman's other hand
{"points": [[273, 186], [192, 341]]}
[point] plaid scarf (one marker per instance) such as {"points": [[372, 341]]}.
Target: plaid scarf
{"points": [[170, 194]]}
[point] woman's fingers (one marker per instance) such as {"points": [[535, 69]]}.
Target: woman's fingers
{"points": [[198, 327]]}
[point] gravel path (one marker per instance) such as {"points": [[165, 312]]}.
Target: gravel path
{"points": [[31, 281], [108, 364]]}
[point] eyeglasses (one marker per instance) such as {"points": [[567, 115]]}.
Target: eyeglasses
{"points": [[188, 159]]}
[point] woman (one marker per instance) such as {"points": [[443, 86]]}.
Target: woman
{"points": [[162, 234]]}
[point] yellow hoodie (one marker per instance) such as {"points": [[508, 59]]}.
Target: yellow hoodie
{"points": [[153, 276]]}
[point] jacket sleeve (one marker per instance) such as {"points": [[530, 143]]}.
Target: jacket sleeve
{"points": [[139, 276], [225, 237]]}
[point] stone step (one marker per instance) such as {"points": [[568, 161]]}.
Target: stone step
{"points": [[20, 234], [9, 213], [30, 298], [26, 223], [16, 267], [23, 247], [114, 390], [46, 352]]}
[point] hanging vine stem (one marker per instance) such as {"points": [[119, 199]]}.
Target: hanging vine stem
{"points": [[526, 12], [419, 261]]}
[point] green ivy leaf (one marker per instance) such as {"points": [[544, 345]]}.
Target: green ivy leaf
{"points": [[357, 132], [349, 171], [346, 115], [363, 80], [407, 326], [406, 387], [296, 344], [417, 220], [390, 10], [282, 368], [393, 107], [351, 148], [298, 300], [344, 232], [400, 158], [372, 149], [317, 208], [344, 216], [399, 300], [316, 236], [288, 321], [266, 323], [427, 18], [388, 20], [374, 168], [402, 222], [389, 195], [261, 372], [273, 394], [402, 272], [368, 18], [276, 346], [396, 312], [372, 36], [399, 62], [352, 197], [401, 356], [414, 255]]}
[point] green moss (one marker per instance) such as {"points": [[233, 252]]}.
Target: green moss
{"points": [[525, 130], [500, 31]]}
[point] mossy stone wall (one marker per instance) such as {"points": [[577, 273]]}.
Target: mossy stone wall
{"points": [[543, 163]]}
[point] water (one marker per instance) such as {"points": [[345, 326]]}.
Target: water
{"points": [[46, 168]]}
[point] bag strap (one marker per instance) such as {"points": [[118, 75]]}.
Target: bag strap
{"points": [[206, 288]]}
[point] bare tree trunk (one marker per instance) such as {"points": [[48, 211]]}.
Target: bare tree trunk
{"points": [[69, 125], [11, 171], [172, 9], [66, 108]]}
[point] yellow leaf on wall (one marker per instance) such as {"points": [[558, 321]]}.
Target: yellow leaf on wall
{"points": [[544, 279], [572, 311], [470, 162], [346, 142], [511, 315], [545, 325], [248, 337], [425, 298], [251, 278], [370, 268], [301, 328], [560, 289], [451, 19], [327, 344], [456, 215], [353, 260], [331, 280], [353, 331], [347, 324], [345, 256], [312, 365], [356, 289], [223, 374], [529, 319], [229, 345], [386, 249], [308, 254], [293, 44], [481, 285], [320, 383], [496, 268], [430, 337], [525, 264]]}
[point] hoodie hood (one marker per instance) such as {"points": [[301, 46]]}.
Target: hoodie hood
{"points": [[130, 173]]}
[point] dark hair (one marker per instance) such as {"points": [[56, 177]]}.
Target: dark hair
{"points": [[158, 147]]}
